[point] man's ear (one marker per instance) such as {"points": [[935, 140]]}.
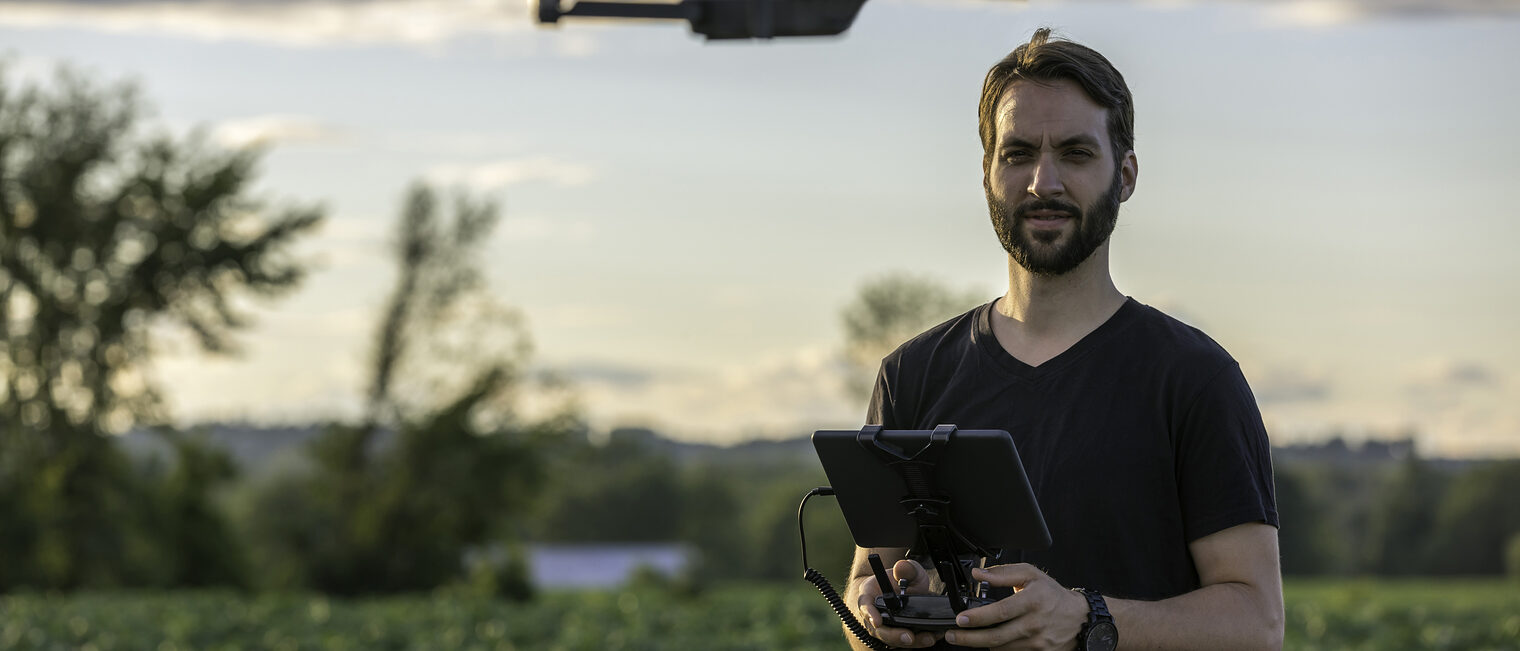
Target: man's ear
{"points": [[1129, 172]]}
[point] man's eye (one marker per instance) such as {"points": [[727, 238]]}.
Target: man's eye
{"points": [[1080, 154], [1016, 155]]}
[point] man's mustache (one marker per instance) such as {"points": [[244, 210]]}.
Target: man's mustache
{"points": [[1022, 210]]}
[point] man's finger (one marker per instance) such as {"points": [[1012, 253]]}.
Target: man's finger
{"points": [[1016, 575], [910, 570], [902, 637], [868, 613], [987, 637], [1002, 610], [899, 637], [922, 639]]}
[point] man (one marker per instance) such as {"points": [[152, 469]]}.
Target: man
{"points": [[1141, 439]]}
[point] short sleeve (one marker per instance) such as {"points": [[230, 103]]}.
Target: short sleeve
{"points": [[881, 409], [1224, 461]]}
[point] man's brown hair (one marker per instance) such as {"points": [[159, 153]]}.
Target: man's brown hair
{"points": [[1042, 60]]}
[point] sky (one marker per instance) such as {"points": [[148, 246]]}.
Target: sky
{"points": [[1326, 188]]}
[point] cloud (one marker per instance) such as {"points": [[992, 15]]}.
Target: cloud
{"points": [[607, 374], [486, 177], [1291, 13], [273, 129], [1283, 384], [458, 144], [1443, 388], [581, 315], [785, 395], [1324, 13], [1444, 374], [314, 23], [534, 229]]}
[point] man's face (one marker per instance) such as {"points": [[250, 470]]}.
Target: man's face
{"points": [[1053, 187]]}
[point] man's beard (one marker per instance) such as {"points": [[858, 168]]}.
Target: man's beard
{"points": [[1093, 226]]}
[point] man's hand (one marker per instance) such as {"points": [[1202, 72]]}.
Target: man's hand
{"points": [[1040, 615], [918, 582]]}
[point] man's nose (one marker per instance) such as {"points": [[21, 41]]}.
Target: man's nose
{"points": [[1046, 182]]}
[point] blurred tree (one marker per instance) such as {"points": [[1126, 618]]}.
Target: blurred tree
{"points": [[888, 311], [626, 491], [1512, 557], [711, 522], [740, 518], [191, 532], [441, 457], [771, 526], [105, 235], [1403, 520], [1476, 519], [617, 492], [1304, 539]]}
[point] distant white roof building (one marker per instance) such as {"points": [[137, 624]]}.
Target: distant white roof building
{"points": [[602, 565]]}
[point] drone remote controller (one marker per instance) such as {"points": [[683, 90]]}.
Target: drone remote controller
{"points": [[920, 612]]}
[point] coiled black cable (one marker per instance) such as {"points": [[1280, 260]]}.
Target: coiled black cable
{"points": [[845, 614], [822, 583]]}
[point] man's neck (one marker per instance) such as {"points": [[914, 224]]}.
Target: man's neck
{"points": [[1041, 316]]}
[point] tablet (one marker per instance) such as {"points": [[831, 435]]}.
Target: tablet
{"points": [[991, 502]]}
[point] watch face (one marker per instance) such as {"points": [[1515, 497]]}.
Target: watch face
{"points": [[1103, 636]]}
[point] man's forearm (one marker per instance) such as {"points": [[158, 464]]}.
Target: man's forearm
{"points": [[1218, 616]]}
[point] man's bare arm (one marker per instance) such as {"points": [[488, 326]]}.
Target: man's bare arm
{"points": [[1240, 605]]}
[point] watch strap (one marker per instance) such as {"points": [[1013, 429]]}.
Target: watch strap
{"points": [[1097, 611]]}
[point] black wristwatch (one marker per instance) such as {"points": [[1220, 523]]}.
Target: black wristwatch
{"points": [[1099, 633]]}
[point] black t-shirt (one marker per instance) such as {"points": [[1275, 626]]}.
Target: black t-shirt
{"points": [[1139, 439]]}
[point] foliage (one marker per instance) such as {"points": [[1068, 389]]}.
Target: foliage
{"points": [[397, 513], [1303, 537], [1512, 557], [1382, 615], [1478, 516], [740, 518], [106, 234], [1403, 519], [890, 310], [1401, 614], [618, 492], [194, 538], [102, 233]]}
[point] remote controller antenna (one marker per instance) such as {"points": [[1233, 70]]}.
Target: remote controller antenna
{"points": [[892, 599]]}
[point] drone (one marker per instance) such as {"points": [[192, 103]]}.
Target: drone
{"points": [[721, 19]]}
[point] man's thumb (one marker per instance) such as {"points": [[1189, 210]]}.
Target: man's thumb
{"points": [[907, 569]]}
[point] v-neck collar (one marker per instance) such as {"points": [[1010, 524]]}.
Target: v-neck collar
{"points": [[988, 343]]}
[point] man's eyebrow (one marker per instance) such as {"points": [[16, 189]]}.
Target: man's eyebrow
{"points": [[1069, 141], [1078, 140]]}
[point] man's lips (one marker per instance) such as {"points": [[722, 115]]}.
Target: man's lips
{"points": [[1047, 218]]}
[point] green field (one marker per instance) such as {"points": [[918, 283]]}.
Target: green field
{"points": [[1404, 614], [1383, 615]]}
